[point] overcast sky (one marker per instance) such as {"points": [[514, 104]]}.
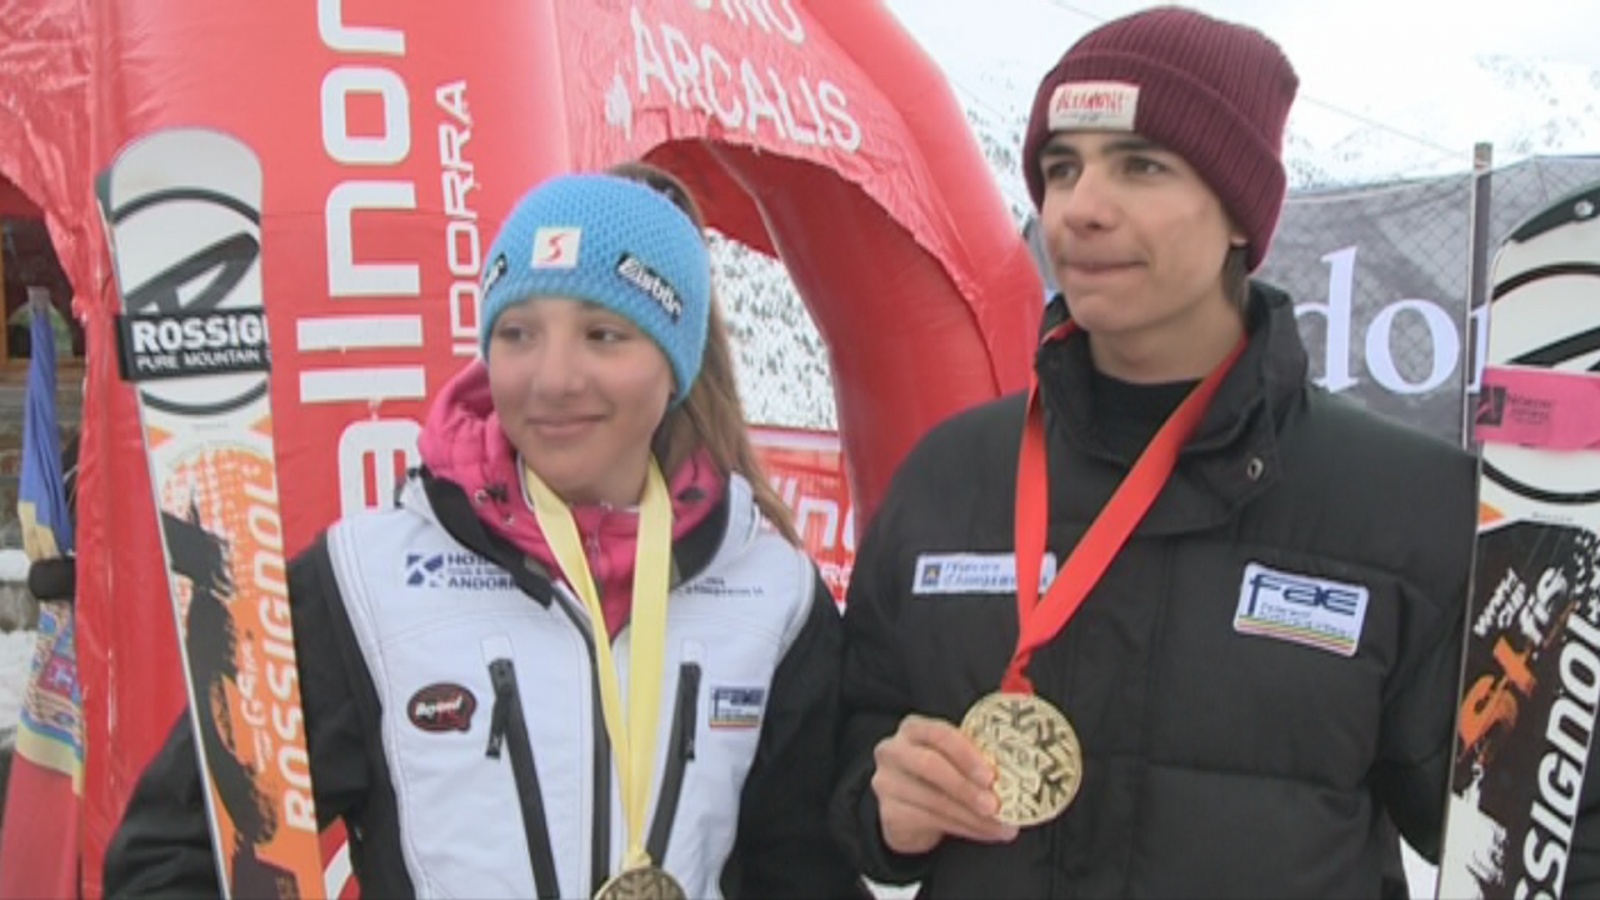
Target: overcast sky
{"points": [[1392, 61], [1343, 49]]}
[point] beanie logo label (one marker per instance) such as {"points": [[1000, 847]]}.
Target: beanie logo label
{"points": [[1094, 105], [641, 276], [556, 248]]}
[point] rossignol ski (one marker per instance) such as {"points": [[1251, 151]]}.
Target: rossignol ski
{"points": [[182, 209], [1531, 675]]}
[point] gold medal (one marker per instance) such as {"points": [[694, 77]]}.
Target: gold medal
{"points": [[641, 883], [1037, 758], [1038, 762]]}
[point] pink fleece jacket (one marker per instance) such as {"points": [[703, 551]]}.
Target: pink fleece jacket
{"points": [[462, 442]]}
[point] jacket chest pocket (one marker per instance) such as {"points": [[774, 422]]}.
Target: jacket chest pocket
{"points": [[1282, 669], [711, 738], [472, 755], [682, 736], [960, 624]]}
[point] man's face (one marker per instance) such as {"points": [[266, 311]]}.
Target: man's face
{"points": [[1136, 239]]}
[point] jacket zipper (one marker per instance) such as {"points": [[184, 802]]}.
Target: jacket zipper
{"points": [[685, 723], [508, 725], [600, 832]]}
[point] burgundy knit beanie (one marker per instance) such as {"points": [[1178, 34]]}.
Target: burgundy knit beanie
{"points": [[1215, 93]]}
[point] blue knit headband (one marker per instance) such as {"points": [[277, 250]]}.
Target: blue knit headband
{"points": [[614, 243]]}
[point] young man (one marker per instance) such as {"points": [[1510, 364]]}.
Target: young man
{"points": [[1246, 665]]}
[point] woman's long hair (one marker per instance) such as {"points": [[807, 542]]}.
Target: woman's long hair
{"points": [[712, 416]]}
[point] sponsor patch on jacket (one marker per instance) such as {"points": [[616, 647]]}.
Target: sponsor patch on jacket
{"points": [[737, 707], [717, 586], [974, 573], [1301, 609], [454, 570], [442, 707]]}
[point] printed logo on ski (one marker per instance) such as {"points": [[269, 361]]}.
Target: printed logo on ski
{"points": [[1492, 407], [1500, 406], [226, 341], [1301, 609], [1568, 733], [442, 707], [1540, 308], [454, 570], [200, 311]]}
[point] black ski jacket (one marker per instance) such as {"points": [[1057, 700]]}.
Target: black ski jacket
{"points": [[1266, 672]]}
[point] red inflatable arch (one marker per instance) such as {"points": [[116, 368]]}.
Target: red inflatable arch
{"points": [[395, 135]]}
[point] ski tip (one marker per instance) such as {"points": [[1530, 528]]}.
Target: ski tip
{"points": [[1578, 207]]}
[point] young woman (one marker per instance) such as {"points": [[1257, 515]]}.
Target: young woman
{"points": [[584, 656]]}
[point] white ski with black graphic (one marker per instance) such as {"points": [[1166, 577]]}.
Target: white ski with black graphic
{"points": [[1531, 674], [182, 209]]}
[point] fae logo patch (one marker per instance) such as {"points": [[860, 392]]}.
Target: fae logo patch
{"points": [[1301, 609], [442, 707]]}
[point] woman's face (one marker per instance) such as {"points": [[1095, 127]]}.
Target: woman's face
{"points": [[579, 391]]}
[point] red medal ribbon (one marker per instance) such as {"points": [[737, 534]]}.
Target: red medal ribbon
{"points": [[1040, 621]]}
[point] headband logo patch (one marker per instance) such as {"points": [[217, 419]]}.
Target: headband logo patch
{"points": [[556, 248], [497, 270], [641, 276]]}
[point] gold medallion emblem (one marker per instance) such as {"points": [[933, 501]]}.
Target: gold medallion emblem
{"points": [[641, 883], [1038, 762]]}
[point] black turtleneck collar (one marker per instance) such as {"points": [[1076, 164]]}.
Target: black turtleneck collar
{"points": [[1112, 417], [1129, 414]]}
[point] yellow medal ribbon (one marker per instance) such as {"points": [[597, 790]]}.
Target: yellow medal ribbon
{"points": [[632, 743]]}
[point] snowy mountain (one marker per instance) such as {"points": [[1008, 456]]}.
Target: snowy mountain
{"points": [[1522, 107], [784, 377]]}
